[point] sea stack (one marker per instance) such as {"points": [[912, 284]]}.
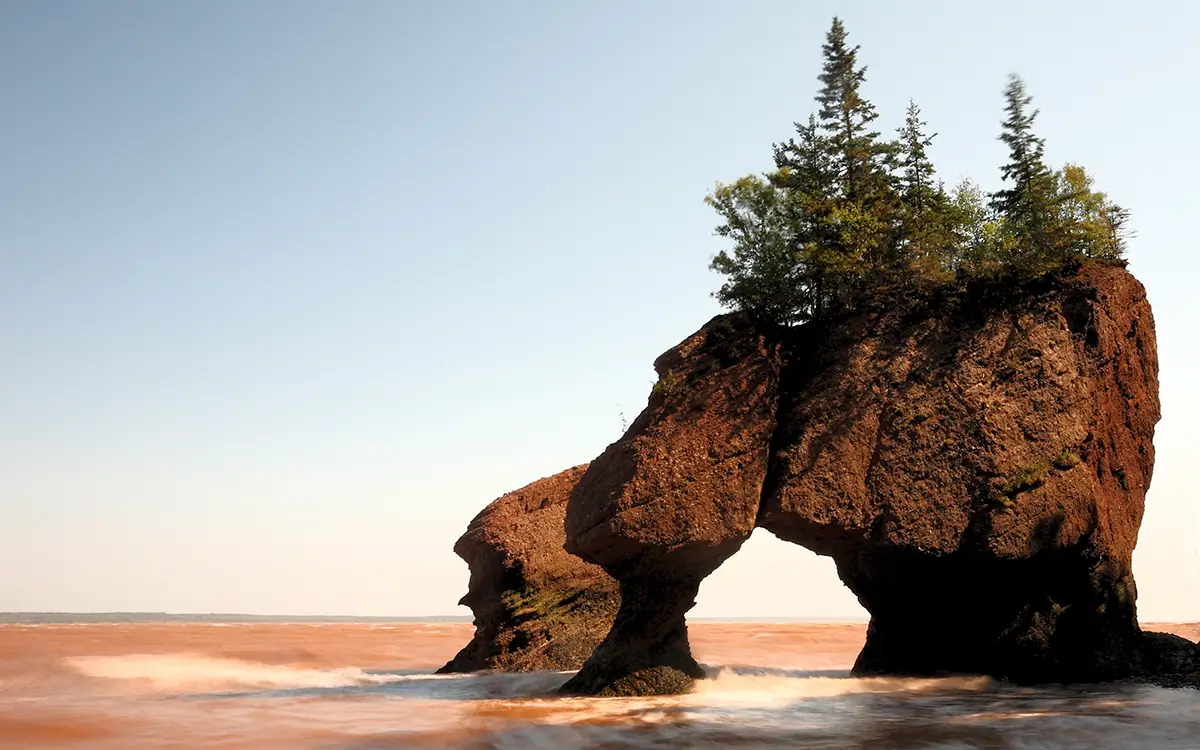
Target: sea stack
{"points": [[975, 464], [974, 461], [536, 607]]}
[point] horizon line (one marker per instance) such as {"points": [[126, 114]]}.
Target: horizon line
{"points": [[66, 617]]}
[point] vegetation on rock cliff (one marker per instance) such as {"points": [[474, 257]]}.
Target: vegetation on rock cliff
{"points": [[846, 211]]}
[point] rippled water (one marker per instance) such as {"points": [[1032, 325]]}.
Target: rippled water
{"points": [[370, 687]]}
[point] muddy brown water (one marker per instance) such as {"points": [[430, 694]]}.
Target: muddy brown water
{"points": [[370, 687]]}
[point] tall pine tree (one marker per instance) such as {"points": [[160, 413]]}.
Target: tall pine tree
{"points": [[1029, 207], [804, 170], [927, 221], [845, 116], [864, 214], [918, 191]]}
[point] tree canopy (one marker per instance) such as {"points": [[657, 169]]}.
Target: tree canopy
{"points": [[846, 211]]}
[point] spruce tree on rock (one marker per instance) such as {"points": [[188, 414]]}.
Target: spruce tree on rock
{"points": [[803, 162], [844, 115], [918, 191], [804, 170], [1030, 206], [847, 214], [927, 231], [865, 211]]}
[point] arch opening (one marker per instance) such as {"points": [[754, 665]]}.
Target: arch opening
{"points": [[775, 604], [771, 580]]}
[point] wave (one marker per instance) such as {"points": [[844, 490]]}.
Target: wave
{"points": [[199, 673], [752, 683]]}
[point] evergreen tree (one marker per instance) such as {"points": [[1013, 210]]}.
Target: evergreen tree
{"points": [[845, 117], [927, 220], [845, 211], [864, 215], [804, 164], [805, 171], [917, 189], [1036, 240], [1116, 220]]}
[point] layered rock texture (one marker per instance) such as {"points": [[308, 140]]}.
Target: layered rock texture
{"points": [[536, 607], [975, 465]]}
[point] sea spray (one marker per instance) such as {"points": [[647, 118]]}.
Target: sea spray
{"points": [[199, 673]]}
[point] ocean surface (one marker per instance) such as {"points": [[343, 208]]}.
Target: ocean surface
{"points": [[369, 686]]}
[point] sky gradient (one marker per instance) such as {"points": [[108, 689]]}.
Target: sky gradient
{"points": [[290, 290]]}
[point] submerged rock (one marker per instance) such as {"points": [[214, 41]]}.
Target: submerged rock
{"points": [[536, 607]]}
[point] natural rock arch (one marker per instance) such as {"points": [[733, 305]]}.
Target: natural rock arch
{"points": [[976, 469], [744, 588], [975, 466]]}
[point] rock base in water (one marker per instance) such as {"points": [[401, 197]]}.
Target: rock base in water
{"points": [[623, 684], [1170, 661], [647, 649]]}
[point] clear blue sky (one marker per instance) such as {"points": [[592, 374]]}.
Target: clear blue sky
{"points": [[290, 290]]}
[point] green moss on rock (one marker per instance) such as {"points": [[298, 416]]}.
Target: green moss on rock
{"points": [[652, 681]]}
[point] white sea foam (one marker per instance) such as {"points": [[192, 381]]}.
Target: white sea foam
{"points": [[729, 684], [741, 705], [199, 673]]}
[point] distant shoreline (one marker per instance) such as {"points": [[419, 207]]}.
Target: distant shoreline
{"points": [[114, 618], [150, 618], [77, 618]]}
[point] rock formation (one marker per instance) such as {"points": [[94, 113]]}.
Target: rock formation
{"points": [[977, 474], [1169, 660], [535, 606], [665, 505], [975, 466]]}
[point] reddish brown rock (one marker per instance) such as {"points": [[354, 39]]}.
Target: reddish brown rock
{"points": [[535, 606], [665, 505], [978, 474], [975, 465]]}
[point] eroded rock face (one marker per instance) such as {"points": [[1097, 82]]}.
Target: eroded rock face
{"points": [[978, 475], [536, 607], [976, 468], [665, 505]]}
